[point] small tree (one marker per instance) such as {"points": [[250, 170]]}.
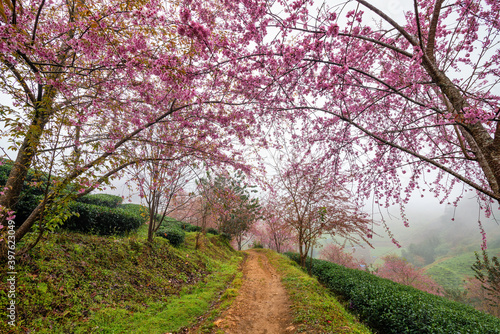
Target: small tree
{"points": [[487, 272], [272, 231], [336, 254], [313, 203], [230, 198], [401, 271], [161, 185]]}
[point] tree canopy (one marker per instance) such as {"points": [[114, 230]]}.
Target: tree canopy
{"points": [[395, 106]]}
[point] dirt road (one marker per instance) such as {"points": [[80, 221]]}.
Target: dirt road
{"points": [[262, 306]]}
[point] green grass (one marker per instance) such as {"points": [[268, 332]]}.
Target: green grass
{"points": [[207, 324], [451, 272], [76, 283], [315, 309], [169, 316]]}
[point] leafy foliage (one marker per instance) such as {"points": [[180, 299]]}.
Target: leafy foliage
{"points": [[488, 273], [173, 234], [257, 244], [191, 228], [31, 192], [390, 307], [172, 222], [229, 196], [212, 230], [110, 201], [101, 220], [135, 208]]}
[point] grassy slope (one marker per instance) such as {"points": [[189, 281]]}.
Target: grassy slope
{"points": [[314, 309], [450, 272], [84, 284]]}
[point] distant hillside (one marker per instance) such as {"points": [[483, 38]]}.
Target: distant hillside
{"points": [[451, 271]]}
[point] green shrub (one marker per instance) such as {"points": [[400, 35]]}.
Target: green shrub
{"points": [[26, 204], [110, 201], [101, 220], [136, 209], [172, 222], [226, 236], [191, 228], [212, 230], [389, 307], [174, 235], [257, 244]]}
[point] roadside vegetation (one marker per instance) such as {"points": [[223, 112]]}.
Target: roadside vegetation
{"points": [[314, 308], [389, 307], [77, 283]]}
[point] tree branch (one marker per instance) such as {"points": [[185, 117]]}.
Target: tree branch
{"points": [[415, 154], [21, 81], [401, 30], [431, 39], [35, 26]]}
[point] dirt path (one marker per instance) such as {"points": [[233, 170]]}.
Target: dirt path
{"points": [[262, 306]]}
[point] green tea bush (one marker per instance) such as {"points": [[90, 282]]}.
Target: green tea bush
{"points": [[101, 220], [174, 235], [257, 244], [110, 201], [137, 209], [191, 228], [389, 307], [172, 222], [212, 230]]}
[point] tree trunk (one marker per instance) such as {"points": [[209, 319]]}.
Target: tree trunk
{"points": [[23, 162], [311, 261], [486, 149]]}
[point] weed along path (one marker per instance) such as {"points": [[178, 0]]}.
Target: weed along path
{"points": [[262, 305]]}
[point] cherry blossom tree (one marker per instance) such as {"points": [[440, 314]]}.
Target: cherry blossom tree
{"points": [[162, 185], [101, 73], [414, 95], [336, 254], [313, 203], [193, 211], [378, 98], [401, 271], [231, 200], [272, 231]]}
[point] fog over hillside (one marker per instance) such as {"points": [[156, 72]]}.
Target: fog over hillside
{"points": [[455, 230]]}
